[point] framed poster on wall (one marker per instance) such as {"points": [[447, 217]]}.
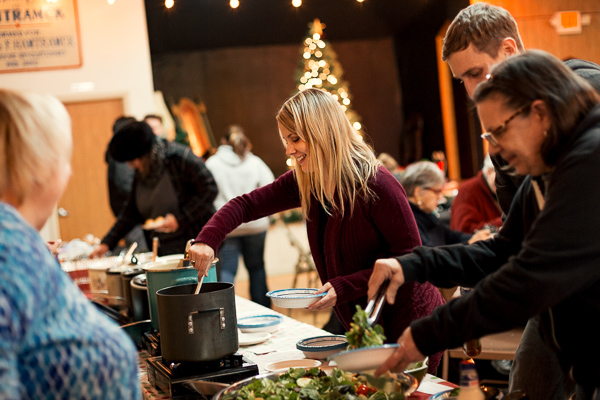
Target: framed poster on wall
{"points": [[39, 35]]}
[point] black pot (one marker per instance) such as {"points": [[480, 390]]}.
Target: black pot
{"points": [[140, 309], [197, 327], [126, 276]]}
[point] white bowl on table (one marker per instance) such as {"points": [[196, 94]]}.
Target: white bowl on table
{"points": [[294, 298], [260, 323], [321, 347], [363, 359]]}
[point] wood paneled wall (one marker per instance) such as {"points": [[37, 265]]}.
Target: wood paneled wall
{"points": [[533, 18], [247, 86]]}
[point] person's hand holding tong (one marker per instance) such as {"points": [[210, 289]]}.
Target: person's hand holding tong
{"points": [[386, 269], [389, 272]]}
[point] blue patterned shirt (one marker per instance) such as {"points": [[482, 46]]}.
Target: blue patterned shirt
{"points": [[54, 344]]}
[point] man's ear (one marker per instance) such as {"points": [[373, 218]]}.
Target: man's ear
{"points": [[508, 47]]}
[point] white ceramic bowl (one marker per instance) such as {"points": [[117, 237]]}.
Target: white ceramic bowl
{"points": [[300, 363], [260, 323], [363, 359], [321, 347], [294, 298]]}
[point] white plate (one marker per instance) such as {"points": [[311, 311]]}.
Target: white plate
{"points": [[294, 298], [364, 359], [260, 323], [247, 339], [302, 363]]}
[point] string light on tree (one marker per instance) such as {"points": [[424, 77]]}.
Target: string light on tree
{"points": [[169, 3], [234, 3], [318, 67], [296, 3]]}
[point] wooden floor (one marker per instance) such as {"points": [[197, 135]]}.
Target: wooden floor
{"points": [[317, 319]]}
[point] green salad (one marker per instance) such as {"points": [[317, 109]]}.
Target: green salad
{"points": [[360, 334], [314, 384]]}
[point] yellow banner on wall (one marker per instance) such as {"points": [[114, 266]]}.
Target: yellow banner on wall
{"points": [[39, 34]]}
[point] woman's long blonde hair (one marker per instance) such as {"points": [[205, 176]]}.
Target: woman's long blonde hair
{"points": [[341, 163]]}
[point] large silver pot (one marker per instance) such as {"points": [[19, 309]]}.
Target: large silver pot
{"points": [[197, 327]]}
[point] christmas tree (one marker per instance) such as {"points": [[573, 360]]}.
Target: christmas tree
{"points": [[320, 68]]}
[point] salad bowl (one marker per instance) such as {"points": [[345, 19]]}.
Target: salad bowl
{"points": [[407, 383]]}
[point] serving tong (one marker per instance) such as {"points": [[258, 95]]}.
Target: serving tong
{"points": [[375, 305]]}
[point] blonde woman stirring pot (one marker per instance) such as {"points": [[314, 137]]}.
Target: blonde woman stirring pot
{"points": [[356, 211]]}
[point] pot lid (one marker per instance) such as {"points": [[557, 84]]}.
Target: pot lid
{"points": [[117, 269], [132, 271], [139, 280]]}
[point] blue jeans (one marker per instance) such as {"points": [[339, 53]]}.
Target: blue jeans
{"points": [[252, 248]]}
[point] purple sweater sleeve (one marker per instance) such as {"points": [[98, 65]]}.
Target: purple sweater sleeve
{"points": [[390, 215], [278, 196]]}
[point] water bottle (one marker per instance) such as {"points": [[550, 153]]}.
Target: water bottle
{"points": [[469, 382]]}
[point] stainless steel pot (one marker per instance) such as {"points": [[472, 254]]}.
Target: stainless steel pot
{"points": [[114, 286], [139, 298], [197, 327], [127, 276]]}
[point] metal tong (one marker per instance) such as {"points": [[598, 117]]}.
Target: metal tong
{"points": [[375, 305]]}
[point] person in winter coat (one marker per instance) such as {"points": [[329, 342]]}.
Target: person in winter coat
{"points": [[237, 171], [172, 193], [544, 121]]}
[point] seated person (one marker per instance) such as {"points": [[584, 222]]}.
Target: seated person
{"points": [[423, 182], [476, 206]]}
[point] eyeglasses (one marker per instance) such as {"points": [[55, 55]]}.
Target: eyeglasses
{"points": [[436, 191], [493, 135]]}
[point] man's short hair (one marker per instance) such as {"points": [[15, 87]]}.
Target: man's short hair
{"points": [[483, 25]]}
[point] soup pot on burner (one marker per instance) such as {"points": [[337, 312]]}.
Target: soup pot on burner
{"points": [[197, 327]]}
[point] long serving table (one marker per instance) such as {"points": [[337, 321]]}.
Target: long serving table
{"points": [[281, 346]]}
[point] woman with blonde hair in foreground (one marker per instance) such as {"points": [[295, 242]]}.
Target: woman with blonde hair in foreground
{"points": [[53, 341], [356, 211]]}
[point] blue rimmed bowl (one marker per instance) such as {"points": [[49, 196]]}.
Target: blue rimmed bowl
{"points": [[260, 323], [294, 298], [321, 347]]}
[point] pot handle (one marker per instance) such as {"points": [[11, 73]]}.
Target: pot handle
{"points": [[221, 318]]}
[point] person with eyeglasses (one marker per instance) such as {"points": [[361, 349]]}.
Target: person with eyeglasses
{"points": [[423, 182], [480, 36], [544, 120]]}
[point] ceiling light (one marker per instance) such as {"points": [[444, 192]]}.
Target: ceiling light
{"points": [[234, 3], [169, 3], [296, 3]]}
